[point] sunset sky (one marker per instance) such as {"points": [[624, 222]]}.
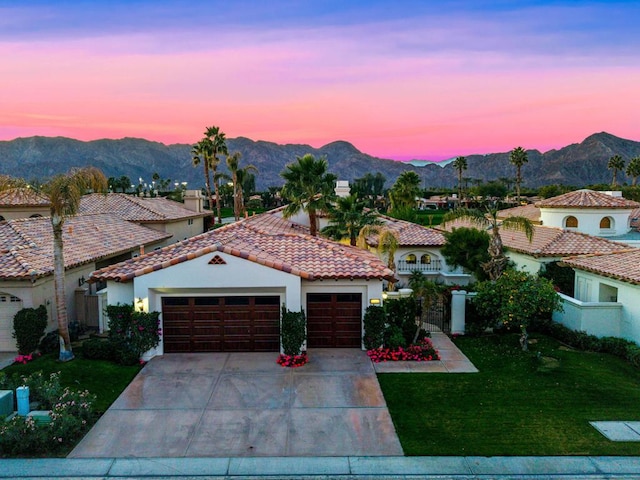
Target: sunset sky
{"points": [[398, 79]]}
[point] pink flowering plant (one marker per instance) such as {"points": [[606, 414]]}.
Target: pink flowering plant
{"points": [[70, 412], [24, 359], [292, 360], [420, 352]]}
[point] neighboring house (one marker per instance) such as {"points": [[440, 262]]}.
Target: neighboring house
{"points": [[23, 203], [180, 220], [607, 295], [223, 290], [26, 264]]}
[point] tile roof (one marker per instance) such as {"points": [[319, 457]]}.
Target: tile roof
{"points": [[587, 199], [634, 218], [138, 209], [551, 241], [23, 197], [26, 245], [624, 265], [529, 211], [267, 240], [410, 234]]}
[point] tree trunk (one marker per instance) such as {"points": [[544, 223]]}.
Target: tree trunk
{"points": [[207, 182], [313, 228], [217, 190], [66, 353]]}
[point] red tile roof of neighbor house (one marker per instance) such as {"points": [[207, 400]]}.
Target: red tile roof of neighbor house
{"points": [[26, 245], [23, 197], [529, 211], [138, 209], [624, 265], [550, 241], [410, 234], [587, 199], [634, 218], [264, 239]]}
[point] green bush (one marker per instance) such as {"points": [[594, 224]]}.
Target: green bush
{"points": [[375, 320], [293, 331], [477, 323], [401, 312], [394, 338], [29, 325], [98, 349], [50, 343], [132, 333]]}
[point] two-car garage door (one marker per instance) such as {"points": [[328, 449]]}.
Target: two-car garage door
{"points": [[252, 323]]}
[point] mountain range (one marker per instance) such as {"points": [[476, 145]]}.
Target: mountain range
{"points": [[578, 164]]}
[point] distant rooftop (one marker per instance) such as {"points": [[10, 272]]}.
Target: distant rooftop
{"points": [[587, 199], [23, 197]]}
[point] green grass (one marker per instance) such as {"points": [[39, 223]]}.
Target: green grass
{"points": [[104, 379], [515, 405]]}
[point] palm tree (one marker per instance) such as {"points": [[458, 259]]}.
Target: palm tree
{"points": [[404, 192], [64, 192], [518, 157], [427, 293], [388, 243], [308, 188], [488, 220], [242, 176], [218, 147], [201, 154], [460, 164], [348, 217], [633, 170], [615, 163], [233, 163]]}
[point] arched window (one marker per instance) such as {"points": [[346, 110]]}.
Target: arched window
{"points": [[571, 222], [606, 223], [411, 259], [425, 259]]}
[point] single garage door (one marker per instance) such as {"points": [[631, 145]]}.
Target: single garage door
{"points": [[9, 306], [221, 324], [334, 320]]}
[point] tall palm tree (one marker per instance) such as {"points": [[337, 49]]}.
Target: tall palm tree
{"points": [[308, 188], [404, 192], [348, 217], [233, 163], [488, 220], [388, 243], [242, 176], [518, 157], [460, 164], [615, 163], [633, 170], [64, 192], [218, 147], [201, 154]]}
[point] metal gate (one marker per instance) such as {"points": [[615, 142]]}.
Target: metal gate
{"points": [[438, 317]]}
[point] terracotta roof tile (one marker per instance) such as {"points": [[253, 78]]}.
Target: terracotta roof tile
{"points": [[264, 239], [550, 241], [23, 197], [623, 265], [587, 199], [529, 211], [137, 209], [410, 234], [26, 245]]}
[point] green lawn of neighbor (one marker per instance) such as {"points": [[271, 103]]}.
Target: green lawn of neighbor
{"points": [[516, 405]]}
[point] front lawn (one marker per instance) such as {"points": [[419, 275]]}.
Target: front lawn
{"points": [[517, 404], [104, 379]]}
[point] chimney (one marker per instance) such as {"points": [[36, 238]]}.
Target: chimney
{"points": [[193, 201], [342, 188], [141, 249]]}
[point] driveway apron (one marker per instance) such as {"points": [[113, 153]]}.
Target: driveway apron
{"points": [[245, 405]]}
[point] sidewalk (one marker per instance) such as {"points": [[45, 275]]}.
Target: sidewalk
{"points": [[328, 467]]}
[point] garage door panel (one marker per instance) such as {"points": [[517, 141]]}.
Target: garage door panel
{"points": [[200, 324], [334, 320]]}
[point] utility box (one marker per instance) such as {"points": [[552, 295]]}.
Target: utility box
{"points": [[6, 402]]}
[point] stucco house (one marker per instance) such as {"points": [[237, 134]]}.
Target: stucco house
{"points": [[23, 203], [223, 290], [26, 263], [607, 295], [180, 220]]}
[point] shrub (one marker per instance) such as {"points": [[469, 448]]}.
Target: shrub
{"points": [[477, 323], [375, 321], [49, 343], [293, 331], [131, 332], [98, 349], [402, 313], [29, 325], [394, 339]]}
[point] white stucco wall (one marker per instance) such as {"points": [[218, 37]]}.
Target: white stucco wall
{"points": [[179, 230], [588, 219], [447, 274]]}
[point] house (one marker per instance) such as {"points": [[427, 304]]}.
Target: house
{"points": [[26, 266], [180, 220], [607, 293], [223, 290], [23, 203]]}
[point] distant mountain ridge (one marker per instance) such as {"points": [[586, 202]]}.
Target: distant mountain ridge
{"points": [[40, 157]]}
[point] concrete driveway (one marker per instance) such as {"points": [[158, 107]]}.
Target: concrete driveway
{"points": [[244, 404]]}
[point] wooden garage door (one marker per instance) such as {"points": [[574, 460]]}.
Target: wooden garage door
{"points": [[334, 320], [221, 324]]}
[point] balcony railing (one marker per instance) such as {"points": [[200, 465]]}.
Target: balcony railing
{"points": [[433, 266]]}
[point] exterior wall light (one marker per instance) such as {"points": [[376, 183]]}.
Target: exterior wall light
{"points": [[374, 301]]}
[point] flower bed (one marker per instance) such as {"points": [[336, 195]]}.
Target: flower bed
{"points": [[292, 361], [422, 352]]}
